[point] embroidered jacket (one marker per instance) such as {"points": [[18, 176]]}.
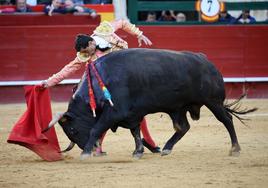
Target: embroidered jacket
{"points": [[104, 34]]}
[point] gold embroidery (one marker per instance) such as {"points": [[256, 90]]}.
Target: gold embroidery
{"points": [[104, 29], [83, 57]]}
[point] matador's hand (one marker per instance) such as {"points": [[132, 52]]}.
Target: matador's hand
{"points": [[43, 85], [145, 40]]}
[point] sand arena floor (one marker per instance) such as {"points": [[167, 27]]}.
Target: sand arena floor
{"points": [[200, 159]]}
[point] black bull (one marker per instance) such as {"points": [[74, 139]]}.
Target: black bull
{"points": [[144, 81]]}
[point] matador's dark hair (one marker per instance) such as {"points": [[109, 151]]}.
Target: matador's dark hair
{"points": [[81, 41]]}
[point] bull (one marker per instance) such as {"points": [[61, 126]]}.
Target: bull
{"points": [[145, 81]]}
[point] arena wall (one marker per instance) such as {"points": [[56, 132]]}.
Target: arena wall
{"points": [[33, 48]]}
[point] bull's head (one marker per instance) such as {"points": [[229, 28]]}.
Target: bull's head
{"points": [[77, 122]]}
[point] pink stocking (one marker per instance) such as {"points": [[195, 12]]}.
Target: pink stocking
{"points": [[145, 132], [101, 140]]}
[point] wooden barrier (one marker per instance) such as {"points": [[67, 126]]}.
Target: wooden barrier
{"points": [[35, 50], [237, 51]]}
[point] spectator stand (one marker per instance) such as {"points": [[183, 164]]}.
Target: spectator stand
{"points": [[105, 11], [137, 6]]}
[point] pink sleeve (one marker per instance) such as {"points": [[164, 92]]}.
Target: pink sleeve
{"points": [[126, 26], [64, 73]]}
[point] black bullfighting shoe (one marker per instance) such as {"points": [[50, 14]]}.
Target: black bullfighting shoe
{"points": [[151, 148]]}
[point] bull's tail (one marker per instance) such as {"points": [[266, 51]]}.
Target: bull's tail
{"points": [[234, 108]]}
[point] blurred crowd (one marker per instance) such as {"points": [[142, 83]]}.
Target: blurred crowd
{"points": [[244, 17], [46, 2], [172, 16], [165, 16], [68, 6], [53, 6]]}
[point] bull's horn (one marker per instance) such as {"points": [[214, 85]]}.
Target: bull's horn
{"points": [[55, 119], [71, 145]]}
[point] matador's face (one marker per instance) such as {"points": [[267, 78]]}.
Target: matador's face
{"points": [[89, 50]]}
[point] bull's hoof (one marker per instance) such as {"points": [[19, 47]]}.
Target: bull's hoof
{"points": [[137, 155], [100, 154], [85, 156], [165, 152], [235, 151]]}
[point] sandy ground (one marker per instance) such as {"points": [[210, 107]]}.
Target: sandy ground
{"points": [[200, 159]]}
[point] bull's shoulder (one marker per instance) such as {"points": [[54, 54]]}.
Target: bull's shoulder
{"points": [[139, 51], [146, 52], [145, 56]]}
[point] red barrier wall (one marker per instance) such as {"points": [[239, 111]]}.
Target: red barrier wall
{"points": [[236, 50], [35, 51]]}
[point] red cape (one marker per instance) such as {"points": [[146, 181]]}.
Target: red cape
{"points": [[27, 131]]}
